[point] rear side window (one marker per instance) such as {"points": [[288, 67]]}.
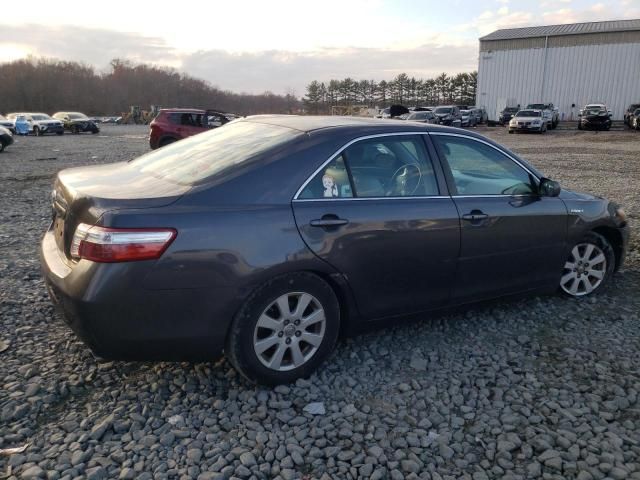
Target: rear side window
{"points": [[331, 182], [197, 158]]}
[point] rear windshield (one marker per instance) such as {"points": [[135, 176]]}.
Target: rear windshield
{"points": [[192, 160]]}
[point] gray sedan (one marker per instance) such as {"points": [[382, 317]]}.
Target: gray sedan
{"points": [[265, 238]]}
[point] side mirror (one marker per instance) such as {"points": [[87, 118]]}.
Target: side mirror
{"points": [[549, 188]]}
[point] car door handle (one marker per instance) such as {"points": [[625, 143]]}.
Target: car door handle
{"points": [[328, 222], [475, 216]]}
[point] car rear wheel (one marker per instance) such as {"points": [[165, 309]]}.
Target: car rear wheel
{"points": [[590, 265], [75, 129], [37, 132], [1, 147], [285, 329]]}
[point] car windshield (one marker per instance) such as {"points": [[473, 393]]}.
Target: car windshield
{"points": [[511, 110], [418, 116], [594, 109], [40, 116], [193, 160], [528, 113], [465, 112], [537, 106], [444, 110], [77, 116]]}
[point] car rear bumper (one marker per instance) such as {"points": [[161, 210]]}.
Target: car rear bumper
{"points": [[107, 307]]}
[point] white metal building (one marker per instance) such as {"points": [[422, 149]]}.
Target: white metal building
{"points": [[567, 65]]}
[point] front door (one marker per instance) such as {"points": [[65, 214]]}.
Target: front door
{"points": [[375, 212], [512, 239]]}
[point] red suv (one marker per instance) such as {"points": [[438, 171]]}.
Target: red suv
{"points": [[174, 124]]}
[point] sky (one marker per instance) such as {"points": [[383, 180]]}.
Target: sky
{"points": [[282, 45]]}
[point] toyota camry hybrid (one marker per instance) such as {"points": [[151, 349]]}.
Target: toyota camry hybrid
{"points": [[264, 239]]}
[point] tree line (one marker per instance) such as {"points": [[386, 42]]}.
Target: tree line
{"points": [[49, 85], [444, 89]]}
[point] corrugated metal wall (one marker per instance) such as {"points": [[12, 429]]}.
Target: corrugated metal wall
{"points": [[573, 75]]}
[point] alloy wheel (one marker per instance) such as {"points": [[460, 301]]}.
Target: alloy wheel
{"points": [[289, 331], [584, 270]]}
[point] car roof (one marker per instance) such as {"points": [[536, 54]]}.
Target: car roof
{"points": [[182, 110], [352, 126]]}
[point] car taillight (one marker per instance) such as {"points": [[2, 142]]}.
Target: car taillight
{"points": [[102, 244]]}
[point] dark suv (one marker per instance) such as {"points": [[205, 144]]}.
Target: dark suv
{"points": [[628, 113], [77, 122], [448, 115], [173, 124]]}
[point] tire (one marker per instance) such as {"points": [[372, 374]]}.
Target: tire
{"points": [[1, 147], [589, 266], [282, 334], [75, 129], [37, 132], [510, 131], [60, 132], [579, 126], [166, 141]]}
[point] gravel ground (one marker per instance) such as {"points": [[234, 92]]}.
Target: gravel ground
{"points": [[535, 388]]}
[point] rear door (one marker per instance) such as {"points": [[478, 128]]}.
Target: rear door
{"points": [[512, 239], [378, 213]]}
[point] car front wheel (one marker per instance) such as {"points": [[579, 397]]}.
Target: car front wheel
{"points": [[285, 329], [590, 265]]}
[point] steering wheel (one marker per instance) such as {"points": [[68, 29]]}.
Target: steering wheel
{"points": [[401, 179]]}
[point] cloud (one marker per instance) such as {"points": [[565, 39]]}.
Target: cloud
{"points": [[90, 45], [254, 72], [281, 70]]}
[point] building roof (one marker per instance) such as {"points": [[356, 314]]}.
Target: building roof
{"points": [[566, 29]]}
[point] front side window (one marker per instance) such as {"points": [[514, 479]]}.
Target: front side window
{"points": [[394, 166], [479, 169]]}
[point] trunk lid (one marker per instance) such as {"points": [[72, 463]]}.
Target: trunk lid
{"points": [[82, 195]]}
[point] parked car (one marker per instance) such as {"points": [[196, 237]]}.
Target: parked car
{"points": [[174, 124], [549, 113], [6, 138], [39, 123], [596, 116], [6, 123], [506, 115], [249, 239], [21, 125], [448, 115], [528, 121], [481, 115], [77, 122], [634, 119], [384, 113], [629, 112], [468, 118], [423, 116]]}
